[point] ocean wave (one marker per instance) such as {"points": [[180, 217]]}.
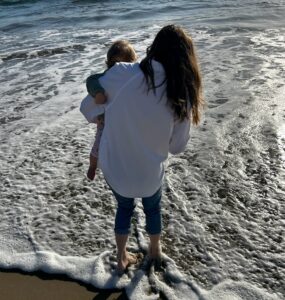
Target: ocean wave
{"points": [[17, 25], [41, 53], [14, 2]]}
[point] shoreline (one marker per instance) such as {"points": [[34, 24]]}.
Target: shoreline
{"points": [[17, 284]]}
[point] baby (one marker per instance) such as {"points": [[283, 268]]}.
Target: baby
{"points": [[120, 51]]}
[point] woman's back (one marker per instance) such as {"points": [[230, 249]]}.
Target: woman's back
{"points": [[138, 130]]}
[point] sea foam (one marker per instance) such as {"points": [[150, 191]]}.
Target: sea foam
{"points": [[137, 283]]}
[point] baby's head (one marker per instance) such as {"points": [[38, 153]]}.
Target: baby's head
{"points": [[120, 51]]}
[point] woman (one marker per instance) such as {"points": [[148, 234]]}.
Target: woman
{"points": [[148, 115]]}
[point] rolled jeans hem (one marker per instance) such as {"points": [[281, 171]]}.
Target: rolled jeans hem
{"points": [[122, 232], [153, 233]]}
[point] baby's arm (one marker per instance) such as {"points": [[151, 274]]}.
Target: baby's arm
{"points": [[95, 89]]}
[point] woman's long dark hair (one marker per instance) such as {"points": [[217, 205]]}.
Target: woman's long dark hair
{"points": [[174, 49]]}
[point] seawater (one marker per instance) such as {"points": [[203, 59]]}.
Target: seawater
{"points": [[223, 202]]}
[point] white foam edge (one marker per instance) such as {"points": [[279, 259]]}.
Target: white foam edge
{"points": [[89, 270]]}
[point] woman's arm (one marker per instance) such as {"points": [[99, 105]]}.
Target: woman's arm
{"points": [[180, 136]]}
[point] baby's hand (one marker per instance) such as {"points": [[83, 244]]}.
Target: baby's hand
{"points": [[100, 98]]}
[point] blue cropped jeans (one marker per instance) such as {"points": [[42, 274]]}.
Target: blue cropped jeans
{"points": [[125, 209]]}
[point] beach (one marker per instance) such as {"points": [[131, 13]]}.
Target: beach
{"points": [[16, 285], [223, 197]]}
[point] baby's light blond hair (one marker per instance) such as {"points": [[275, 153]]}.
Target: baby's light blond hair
{"points": [[120, 51]]}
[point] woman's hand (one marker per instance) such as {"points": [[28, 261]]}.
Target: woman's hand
{"points": [[100, 98]]}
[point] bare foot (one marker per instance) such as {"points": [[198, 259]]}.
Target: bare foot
{"points": [[154, 252], [91, 173], [125, 261]]}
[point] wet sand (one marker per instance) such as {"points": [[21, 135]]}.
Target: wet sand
{"points": [[15, 285]]}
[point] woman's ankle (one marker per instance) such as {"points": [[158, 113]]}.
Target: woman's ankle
{"points": [[154, 246], [122, 255]]}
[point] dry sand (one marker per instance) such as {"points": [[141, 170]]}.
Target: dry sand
{"points": [[40, 286]]}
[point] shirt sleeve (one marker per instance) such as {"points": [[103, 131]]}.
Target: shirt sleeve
{"points": [[93, 85], [180, 136], [114, 78]]}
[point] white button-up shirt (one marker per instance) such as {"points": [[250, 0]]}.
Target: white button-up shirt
{"points": [[140, 130]]}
